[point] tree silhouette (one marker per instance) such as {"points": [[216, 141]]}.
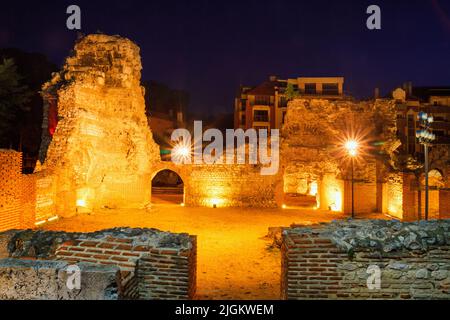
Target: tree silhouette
{"points": [[14, 97], [290, 92]]}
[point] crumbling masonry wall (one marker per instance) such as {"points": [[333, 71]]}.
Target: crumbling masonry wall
{"points": [[313, 154], [102, 151], [335, 261]]}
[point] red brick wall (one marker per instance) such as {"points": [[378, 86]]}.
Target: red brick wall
{"points": [[365, 194], [10, 189], [309, 267], [17, 193], [314, 268], [167, 274], [112, 251], [444, 204], [410, 197]]}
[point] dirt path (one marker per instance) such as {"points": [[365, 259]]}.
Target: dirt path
{"points": [[233, 259]]}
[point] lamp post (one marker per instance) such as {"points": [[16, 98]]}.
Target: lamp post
{"points": [[425, 137], [352, 149]]}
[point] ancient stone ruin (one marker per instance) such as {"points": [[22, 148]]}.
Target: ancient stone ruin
{"points": [[101, 152], [314, 162]]}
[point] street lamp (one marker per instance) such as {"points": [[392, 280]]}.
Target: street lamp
{"points": [[352, 148], [425, 137]]}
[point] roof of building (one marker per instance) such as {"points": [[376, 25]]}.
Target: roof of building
{"points": [[267, 88]]}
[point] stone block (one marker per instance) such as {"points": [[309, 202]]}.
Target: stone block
{"points": [[47, 280], [5, 238]]}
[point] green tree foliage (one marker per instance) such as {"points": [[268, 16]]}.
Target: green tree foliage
{"points": [[13, 98], [290, 92]]}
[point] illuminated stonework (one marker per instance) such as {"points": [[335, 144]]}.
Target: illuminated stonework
{"points": [[313, 155], [102, 151]]}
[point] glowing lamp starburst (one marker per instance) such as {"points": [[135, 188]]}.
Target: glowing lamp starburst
{"points": [[181, 153], [352, 147]]}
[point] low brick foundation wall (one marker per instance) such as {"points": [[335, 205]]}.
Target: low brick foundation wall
{"points": [[153, 264], [167, 274], [337, 260]]}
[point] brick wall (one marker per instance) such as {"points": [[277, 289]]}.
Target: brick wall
{"points": [[24, 198], [309, 267], [229, 186], [11, 189], [444, 204], [365, 197], [314, 266], [410, 197], [168, 273]]}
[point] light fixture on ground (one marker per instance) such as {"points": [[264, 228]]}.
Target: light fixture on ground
{"points": [[425, 137], [352, 149]]}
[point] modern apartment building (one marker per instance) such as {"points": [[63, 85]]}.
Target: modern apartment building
{"points": [[265, 105], [432, 100]]}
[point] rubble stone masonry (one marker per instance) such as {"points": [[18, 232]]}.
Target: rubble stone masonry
{"points": [[331, 261], [47, 280], [102, 151]]}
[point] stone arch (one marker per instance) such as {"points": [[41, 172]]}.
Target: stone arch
{"points": [[178, 169], [435, 178], [172, 168]]}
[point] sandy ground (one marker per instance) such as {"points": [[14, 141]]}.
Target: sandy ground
{"points": [[234, 261]]}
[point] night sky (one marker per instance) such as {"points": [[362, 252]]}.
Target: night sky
{"points": [[209, 48]]}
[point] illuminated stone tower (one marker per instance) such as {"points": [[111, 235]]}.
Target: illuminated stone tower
{"points": [[101, 152]]}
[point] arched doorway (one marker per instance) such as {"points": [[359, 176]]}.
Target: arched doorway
{"points": [[167, 187], [435, 182]]}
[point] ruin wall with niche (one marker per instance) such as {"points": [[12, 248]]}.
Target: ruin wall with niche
{"points": [[102, 151], [311, 150]]}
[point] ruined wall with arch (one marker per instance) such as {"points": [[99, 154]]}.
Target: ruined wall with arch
{"points": [[226, 185], [102, 153]]}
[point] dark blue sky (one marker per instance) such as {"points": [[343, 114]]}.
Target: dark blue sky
{"points": [[208, 48]]}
